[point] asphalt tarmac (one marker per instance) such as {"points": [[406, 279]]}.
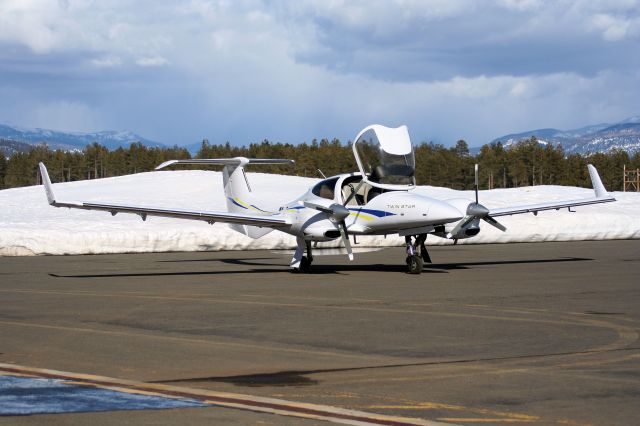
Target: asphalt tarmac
{"points": [[535, 334]]}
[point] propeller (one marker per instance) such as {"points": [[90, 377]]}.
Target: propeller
{"points": [[476, 211], [336, 213]]}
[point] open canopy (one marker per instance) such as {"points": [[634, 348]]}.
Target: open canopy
{"points": [[385, 157]]}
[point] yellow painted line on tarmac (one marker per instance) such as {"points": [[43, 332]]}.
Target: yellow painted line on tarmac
{"points": [[493, 416], [311, 298], [570, 422], [226, 399], [187, 340], [626, 334], [452, 407], [482, 420], [316, 307]]}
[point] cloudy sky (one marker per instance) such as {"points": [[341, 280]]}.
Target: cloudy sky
{"points": [[289, 71]]}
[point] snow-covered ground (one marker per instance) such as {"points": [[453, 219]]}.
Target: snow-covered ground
{"points": [[29, 226]]}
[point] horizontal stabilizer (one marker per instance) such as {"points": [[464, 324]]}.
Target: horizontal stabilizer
{"points": [[237, 161]]}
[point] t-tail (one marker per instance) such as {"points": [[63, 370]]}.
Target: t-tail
{"points": [[237, 190]]}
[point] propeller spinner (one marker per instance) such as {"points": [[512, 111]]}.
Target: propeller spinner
{"points": [[476, 211]]}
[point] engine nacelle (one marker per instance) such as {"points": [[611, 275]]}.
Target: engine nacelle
{"points": [[471, 230], [322, 233]]}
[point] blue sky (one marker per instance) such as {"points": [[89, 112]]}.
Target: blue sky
{"points": [[290, 71]]}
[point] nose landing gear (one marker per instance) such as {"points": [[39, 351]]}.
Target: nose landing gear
{"points": [[417, 253], [301, 263]]}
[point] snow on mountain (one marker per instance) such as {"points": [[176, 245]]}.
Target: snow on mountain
{"points": [[29, 226], [72, 140], [605, 137], [9, 147]]}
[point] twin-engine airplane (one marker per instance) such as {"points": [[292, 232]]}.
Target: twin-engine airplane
{"points": [[376, 200]]}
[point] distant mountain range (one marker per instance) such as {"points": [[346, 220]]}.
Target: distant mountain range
{"points": [[591, 139], [9, 147], [605, 137], [70, 140]]}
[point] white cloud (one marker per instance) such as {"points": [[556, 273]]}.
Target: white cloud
{"points": [[151, 61], [29, 23], [615, 28], [245, 70], [107, 62], [521, 5]]}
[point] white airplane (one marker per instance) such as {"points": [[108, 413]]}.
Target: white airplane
{"points": [[376, 200]]}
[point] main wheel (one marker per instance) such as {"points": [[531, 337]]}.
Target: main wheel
{"points": [[305, 265], [414, 264]]}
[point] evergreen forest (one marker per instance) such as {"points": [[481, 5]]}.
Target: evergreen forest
{"points": [[523, 164]]}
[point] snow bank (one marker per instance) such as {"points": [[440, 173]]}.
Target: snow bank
{"points": [[29, 226]]}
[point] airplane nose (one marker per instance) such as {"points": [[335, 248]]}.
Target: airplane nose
{"points": [[444, 212]]}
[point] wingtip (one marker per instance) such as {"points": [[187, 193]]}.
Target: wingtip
{"points": [[46, 181], [596, 182]]}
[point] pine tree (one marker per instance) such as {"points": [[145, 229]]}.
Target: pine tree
{"points": [[3, 169]]}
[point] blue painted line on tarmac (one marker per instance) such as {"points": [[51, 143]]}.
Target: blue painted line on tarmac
{"points": [[26, 395]]}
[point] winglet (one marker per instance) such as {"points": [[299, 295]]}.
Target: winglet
{"points": [[47, 184], [598, 187]]}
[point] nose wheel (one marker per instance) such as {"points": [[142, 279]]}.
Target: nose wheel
{"points": [[305, 265], [301, 263], [414, 264], [417, 253]]}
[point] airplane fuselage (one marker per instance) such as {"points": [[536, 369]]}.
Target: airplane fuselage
{"points": [[389, 212]]}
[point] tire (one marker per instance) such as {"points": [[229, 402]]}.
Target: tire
{"points": [[305, 265], [414, 264]]}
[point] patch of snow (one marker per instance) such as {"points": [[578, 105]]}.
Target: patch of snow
{"points": [[29, 226]]}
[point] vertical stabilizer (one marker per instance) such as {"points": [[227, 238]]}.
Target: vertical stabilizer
{"points": [[236, 188], [238, 194]]}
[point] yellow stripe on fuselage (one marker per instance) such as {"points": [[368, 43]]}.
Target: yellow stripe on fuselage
{"points": [[363, 216]]}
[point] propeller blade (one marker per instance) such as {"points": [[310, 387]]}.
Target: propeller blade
{"points": [[336, 212], [319, 207], [464, 222], [345, 239], [492, 221]]}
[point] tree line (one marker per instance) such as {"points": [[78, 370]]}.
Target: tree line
{"points": [[523, 164]]}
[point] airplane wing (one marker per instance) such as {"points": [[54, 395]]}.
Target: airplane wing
{"points": [[601, 196], [272, 221]]}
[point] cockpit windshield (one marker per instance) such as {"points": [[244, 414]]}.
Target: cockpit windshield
{"points": [[389, 161], [325, 188]]}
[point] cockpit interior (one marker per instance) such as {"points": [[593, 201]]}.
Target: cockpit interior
{"points": [[353, 191]]}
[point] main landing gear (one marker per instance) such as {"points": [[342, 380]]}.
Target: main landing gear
{"points": [[301, 263], [417, 253]]}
